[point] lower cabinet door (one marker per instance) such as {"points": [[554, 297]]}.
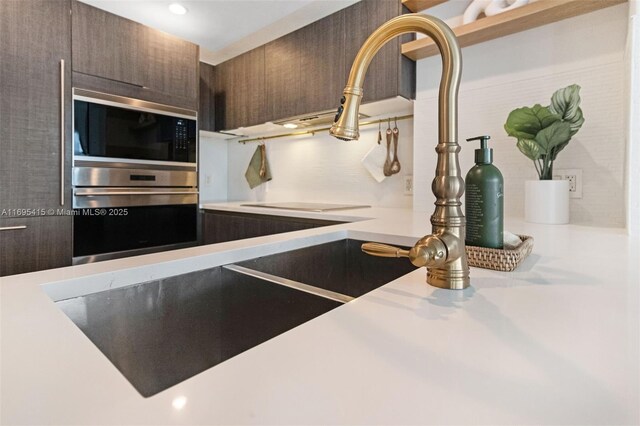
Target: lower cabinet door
{"points": [[34, 243]]}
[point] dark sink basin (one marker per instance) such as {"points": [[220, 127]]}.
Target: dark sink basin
{"points": [[339, 266], [162, 332]]}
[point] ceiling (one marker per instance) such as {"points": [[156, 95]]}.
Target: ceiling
{"points": [[224, 28]]}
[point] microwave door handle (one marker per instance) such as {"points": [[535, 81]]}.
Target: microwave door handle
{"points": [[107, 194]]}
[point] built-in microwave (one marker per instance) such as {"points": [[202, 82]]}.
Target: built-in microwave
{"points": [[115, 128], [134, 177]]}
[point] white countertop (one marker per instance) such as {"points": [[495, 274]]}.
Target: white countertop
{"points": [[555, 342]]}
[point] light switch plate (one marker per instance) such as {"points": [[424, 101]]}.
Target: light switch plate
{"points": [[408, 184]]}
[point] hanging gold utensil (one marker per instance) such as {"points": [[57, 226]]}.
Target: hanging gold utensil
{"points": [[263, 161], [395, 164], [386, 169]]}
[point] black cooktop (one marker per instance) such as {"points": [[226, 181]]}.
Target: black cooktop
{"points": [[307, 207]]}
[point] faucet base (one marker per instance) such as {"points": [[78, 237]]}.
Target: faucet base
{"points": [[447, 278]]}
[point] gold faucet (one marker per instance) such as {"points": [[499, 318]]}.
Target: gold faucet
{"points": [[443, 251]]}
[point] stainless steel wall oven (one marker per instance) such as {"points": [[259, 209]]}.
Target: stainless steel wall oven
{"points": [[135, 178]]}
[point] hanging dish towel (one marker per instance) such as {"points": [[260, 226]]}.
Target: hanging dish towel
{"points": [[374, 160], [258, 161]]}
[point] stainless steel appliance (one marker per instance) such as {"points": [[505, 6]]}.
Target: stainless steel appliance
{"points": [[135, 178], [110, 128]]}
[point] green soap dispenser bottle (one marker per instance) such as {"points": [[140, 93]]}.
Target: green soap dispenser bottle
{"points": [[484, 200]]}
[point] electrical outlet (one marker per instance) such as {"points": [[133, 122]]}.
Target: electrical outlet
{"points": [[207, 180], [574, 176], [408, 184]]}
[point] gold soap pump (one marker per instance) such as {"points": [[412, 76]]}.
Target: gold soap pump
{"points": [[443, 251]]}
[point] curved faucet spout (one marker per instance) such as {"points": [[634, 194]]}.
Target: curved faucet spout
{"points": [[442, 252], [346, 125]]}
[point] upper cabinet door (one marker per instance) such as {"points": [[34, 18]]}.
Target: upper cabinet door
{"points": [[108, 46], [171, 64], [283, 77], [207, 107], [134, 60], [383, 78], [322, 63], [240, 91], [34, 37]]}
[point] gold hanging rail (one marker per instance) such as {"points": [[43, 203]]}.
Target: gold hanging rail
{"points": [[323, 129]]}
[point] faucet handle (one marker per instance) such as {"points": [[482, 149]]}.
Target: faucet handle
{"points": [[416, 255], [428, 251], [384, 250]]}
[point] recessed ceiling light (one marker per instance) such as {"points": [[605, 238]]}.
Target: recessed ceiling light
{"points": [[177, 9], [290, 125]]}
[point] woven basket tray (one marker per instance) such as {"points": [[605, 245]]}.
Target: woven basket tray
{"points": [[500, 260]]}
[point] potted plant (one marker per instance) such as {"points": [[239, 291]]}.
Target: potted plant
{"points": [[542, 132]]}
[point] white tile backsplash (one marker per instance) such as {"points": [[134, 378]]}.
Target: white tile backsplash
{"points": [[321, 168]]}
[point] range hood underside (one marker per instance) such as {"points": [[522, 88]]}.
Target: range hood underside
{"points": [[386, 107]]}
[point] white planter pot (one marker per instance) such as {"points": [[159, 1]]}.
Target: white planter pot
{"points": [[546, 201]]}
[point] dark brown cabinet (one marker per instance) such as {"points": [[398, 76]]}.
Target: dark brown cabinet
{"points": [[172, 66], [283, 77], [114, 54], [206, 112], [34, 243], [106, 45], [35, 100], [305, 71], [219, 226], [322, 63], [390, 74], [34, 40], [240, 91]]}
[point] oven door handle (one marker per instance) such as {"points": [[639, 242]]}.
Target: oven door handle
{"points": [[107, 194]]}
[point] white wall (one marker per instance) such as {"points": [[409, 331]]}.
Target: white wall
{"points": [[633, 123], [322, 169], [524, 69], [213, 168]]}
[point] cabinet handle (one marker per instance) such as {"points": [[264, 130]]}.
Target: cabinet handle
{"points": [[108, 194], [13, 228], [62, 132]]}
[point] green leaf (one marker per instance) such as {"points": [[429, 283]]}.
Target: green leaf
{"points": [[559, 133], [530, 148], [555, 150], [525, 123], [566, 103]]}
